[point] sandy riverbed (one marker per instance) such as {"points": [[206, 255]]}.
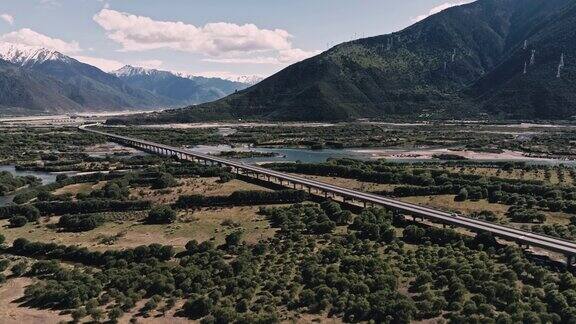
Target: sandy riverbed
{"points": [[218, 125], [427, 154]]}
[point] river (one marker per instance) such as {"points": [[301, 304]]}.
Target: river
{"points": [[400, 155], [46, 178]]}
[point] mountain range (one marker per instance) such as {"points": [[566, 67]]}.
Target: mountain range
{"points": [[501, 58], [36, 80], [189, 90]]}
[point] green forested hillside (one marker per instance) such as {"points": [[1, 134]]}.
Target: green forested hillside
{"points": [[522, 87], [461, 62]]}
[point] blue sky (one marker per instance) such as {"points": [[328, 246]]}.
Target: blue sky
{"points": [[203, 37]]}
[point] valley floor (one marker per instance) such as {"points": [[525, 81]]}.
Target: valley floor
{"points": [[137, 237]]}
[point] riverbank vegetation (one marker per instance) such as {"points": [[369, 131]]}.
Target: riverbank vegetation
{"points": [[533, 140]]}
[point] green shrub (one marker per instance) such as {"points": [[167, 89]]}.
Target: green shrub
{"points": [[18, 221], [161, 215]]}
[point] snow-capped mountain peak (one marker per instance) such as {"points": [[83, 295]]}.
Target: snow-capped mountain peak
{"points": [[25, 55], [248, 79], [129, 70], [245, 79]]}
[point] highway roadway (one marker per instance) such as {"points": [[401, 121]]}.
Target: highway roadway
{"points": [[565, 247]]}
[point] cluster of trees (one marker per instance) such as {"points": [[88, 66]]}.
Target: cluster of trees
{"points": [[19, 215], [118, 189], [474, 193], [151, 177], [419, 234], [355, 276], [30, 212], [29, 145], [9, 182], [475, 286], [526, 198], [359, 172], [407, 191], [520, 214], [17, 221], [164, 180], [238, 198], [563, 231], [82, 255], [89, 206], [336, 213], [53, 166], [161, 215], [172, 136], [190, 169], [298, 219], [553, 199], [69, 293], [62, 181], [375, 225], [80, 223], [389, 173]]}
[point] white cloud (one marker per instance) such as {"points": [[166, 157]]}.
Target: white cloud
{"points": [[440, 8], [54, 3], [29, 37], [244, 60], [139, 33], [295, 55], [7, 18], [101, 63]]}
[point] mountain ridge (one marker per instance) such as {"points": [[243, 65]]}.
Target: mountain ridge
{"points": [[185, 90], [39, 80], [86, 85], [432, 69], [21, 88]]}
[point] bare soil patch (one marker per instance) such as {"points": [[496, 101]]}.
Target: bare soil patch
{"points": [[12, 313]]}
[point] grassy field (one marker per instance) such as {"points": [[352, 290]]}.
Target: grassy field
{"points": [[130, 231], [202, 186], [540, 175], [79, 188], [446, 202], [352, 183]]}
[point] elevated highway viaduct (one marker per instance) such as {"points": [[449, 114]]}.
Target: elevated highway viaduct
{"points": [[549, 243]]}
